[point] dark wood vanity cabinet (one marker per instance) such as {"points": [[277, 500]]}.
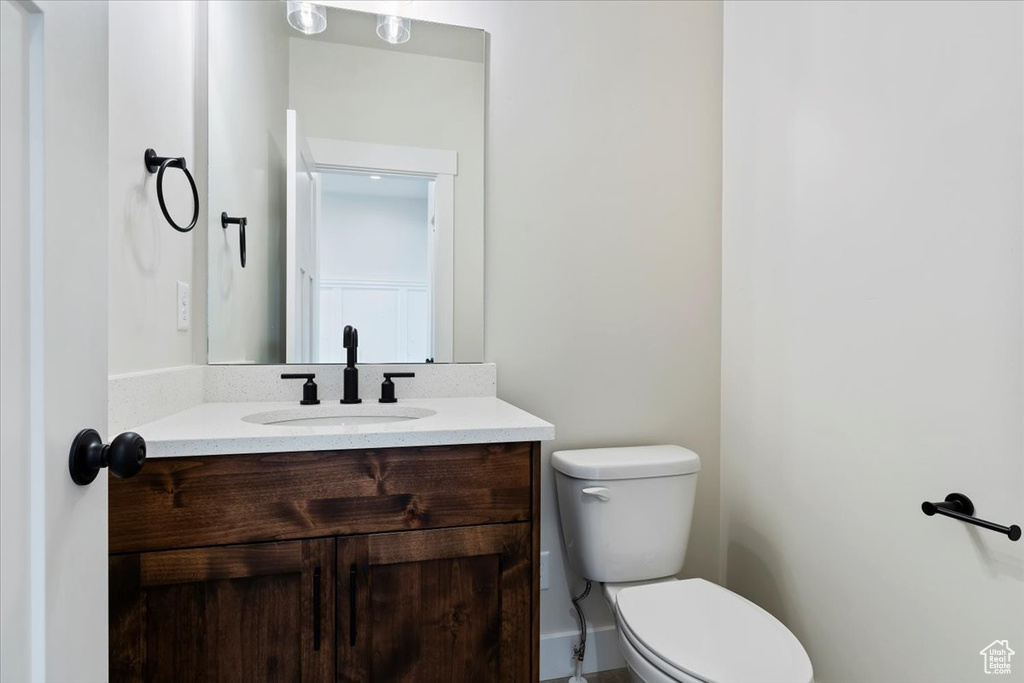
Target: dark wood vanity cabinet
{"points": [[404, 564], [438, 605], [261, 611]]}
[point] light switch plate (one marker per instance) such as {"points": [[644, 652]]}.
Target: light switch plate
{"points": [[183, 306], [545, 570]]}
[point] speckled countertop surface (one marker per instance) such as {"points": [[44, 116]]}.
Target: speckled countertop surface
{"points": [[222, 428]]}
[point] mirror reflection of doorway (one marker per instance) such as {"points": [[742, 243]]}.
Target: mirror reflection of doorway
{"points": [[387, 296], [375, 246]]}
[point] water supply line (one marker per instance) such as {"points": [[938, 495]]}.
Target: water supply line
{"points": [[579, 651]]}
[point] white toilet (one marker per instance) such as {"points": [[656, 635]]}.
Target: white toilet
{"points": [[626, 516]]}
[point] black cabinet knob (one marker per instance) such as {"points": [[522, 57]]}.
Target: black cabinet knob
{"points": [[124, 456]]}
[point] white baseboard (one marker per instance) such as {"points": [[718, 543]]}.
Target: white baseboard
{"points": [[602, 652]]}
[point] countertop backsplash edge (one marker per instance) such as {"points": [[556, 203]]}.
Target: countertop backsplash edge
{"points": [[139, 397]]}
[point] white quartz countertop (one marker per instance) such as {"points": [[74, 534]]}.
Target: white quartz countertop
{"points": [[221, 428]]}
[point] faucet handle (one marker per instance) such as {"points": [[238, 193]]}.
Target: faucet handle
{"points": [[387, 387], [309, 397]]}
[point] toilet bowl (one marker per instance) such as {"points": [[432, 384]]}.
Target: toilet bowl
{"points": [[698, 632], [625, 516]]}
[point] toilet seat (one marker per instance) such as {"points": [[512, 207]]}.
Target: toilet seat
{"points": [[696, 630], [647, 665]]}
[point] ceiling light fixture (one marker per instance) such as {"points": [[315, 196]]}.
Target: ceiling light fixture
{"points": [[394, 29], [307, 17], [375, 177]]}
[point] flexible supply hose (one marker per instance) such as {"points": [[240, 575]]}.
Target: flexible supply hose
{"points": [[580, 650]]}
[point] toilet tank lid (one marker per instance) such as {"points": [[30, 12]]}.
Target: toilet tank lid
{"points": [[633, 462]]}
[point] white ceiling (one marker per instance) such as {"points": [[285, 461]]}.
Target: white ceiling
{"points": [[388, 185]]}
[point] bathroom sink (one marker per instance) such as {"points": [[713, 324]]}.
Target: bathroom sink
{"points": [[337, 416], [338, 420]]}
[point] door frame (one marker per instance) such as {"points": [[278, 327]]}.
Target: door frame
{"points": [[23, 461], [300, 325], [441, 165]]}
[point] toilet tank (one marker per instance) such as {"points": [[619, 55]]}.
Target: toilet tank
{"points": [[626, 512]]}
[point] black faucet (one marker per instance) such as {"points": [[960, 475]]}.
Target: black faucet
{"points": [[350, 340]]}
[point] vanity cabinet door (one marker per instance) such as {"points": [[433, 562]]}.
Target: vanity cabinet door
{"points": [[256, 612], [436, 605]]}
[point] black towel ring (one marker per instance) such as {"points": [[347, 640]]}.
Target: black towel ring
{"points": [[156, 164], [241, 222]]}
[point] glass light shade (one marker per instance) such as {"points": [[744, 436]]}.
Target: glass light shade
{"points": [[393, 29], [307, 17]]}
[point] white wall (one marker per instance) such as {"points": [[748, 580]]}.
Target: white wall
{"points": [[151, 104], [411, 100], [872, 328], [248, 82], [367, 237], [603, 236]]}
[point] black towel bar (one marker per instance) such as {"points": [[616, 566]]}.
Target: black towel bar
{"points": [[157, 164], [959, 506], [241, 222]]}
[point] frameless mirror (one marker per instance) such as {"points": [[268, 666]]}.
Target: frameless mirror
{"points": [[357, 164]]}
